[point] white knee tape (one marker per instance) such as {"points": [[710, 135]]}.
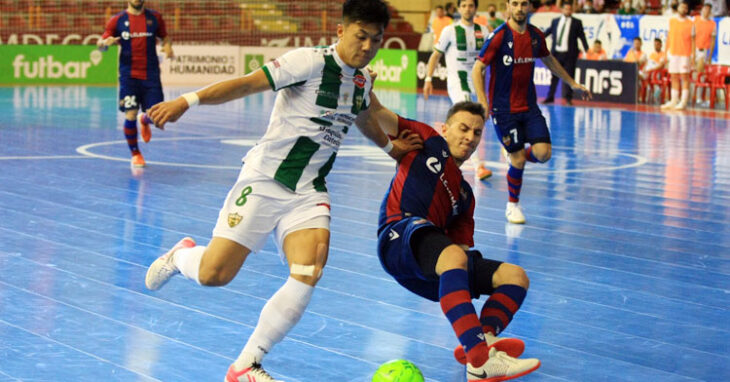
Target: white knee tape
{"points": [[303, 270]]}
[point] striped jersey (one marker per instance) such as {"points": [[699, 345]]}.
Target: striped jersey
{"points": [[428, 183], [318, 99], [511, 56], [139, 33], [460, 44]]}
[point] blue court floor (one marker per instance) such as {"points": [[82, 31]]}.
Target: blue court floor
{"points": [[627, 246]]}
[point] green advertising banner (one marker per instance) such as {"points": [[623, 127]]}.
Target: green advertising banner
{"points": [[57, 64], [396, 69]]}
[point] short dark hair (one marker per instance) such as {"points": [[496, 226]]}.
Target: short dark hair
{"points": [[597, 41], [367, 11], [637, 39], [476, 3], [439, 7], [468, 106], [658, 40]]}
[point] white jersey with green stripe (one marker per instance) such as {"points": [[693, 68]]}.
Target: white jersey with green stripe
{"points": [[460, 44], [319, 97]]}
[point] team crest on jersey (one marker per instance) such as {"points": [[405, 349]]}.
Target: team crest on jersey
{"points": [[478, 34], [534, 42], [359, 81], [234, 219], [149, 22], [507, 140]]}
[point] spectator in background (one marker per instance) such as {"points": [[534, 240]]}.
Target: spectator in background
{"points": [[681, 50], [566, 31], [452, 11], [657, 60], [719, 8], [439, 22], [670, 9], [626, 8], [639, 5], [587, 8], [636, 55], [548, 6], [493, 21], [596, 53]]}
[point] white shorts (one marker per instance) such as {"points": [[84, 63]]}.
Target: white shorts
{"points": [[701, 55], [258, 205], [679, 64], [457, 94]]}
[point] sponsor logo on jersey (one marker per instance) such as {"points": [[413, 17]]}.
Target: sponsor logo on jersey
{"points": [[507, 60], [392, 235], [509, 44], [506, 140], [478, 34], [359, 81], [433, 164]]}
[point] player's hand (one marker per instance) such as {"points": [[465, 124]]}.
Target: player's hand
{"points": [[586, 94], [109, 41], [427, 89], [168, 111], [405, 143]]}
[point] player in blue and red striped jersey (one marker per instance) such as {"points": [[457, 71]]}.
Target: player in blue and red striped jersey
{"points": [[136, 30], [511, 51], [426, 230]]}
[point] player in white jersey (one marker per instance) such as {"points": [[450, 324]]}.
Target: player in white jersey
{"points": [[281, 188], [461, 43]]}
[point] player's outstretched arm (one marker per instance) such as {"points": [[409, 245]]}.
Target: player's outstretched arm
{"points": [[377, 121], [427, 84], [477, 76], [558, 70], [217, 93]]}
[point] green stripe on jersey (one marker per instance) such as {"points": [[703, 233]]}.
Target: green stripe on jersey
{"points": [[460, 38], [268, 77], [319, 182], [329, 89], [464, 80], [292, 168]]}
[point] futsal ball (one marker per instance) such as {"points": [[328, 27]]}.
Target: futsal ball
{"points": [[398, 370]]}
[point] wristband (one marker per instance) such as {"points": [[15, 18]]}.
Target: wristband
{"points": [[428, 79], [191, 98], [388, 147]]}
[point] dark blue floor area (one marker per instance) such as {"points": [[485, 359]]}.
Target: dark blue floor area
{"points": [[627, 246]]}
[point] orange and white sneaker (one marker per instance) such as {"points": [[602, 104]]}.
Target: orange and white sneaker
{"points": [[252, 373], [138, 161], [483, 172], [501, 367], [144, 127], [162, 269], [514, 347]]}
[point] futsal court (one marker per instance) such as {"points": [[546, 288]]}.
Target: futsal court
{"points": [[627, 246]]}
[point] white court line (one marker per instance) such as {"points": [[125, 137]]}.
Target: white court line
{"points": [[85, 150], [46, 157]]}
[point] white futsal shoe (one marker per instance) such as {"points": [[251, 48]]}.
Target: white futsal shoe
{"points": [[252, 373], [671, 104], [514, 213], [162, 269], [680, 106], [501, 367], [514, 347]]}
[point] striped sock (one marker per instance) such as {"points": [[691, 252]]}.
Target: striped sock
{"points": [[456, 305], [501, 307], [514, 183], [130, 133], [530, 156]]}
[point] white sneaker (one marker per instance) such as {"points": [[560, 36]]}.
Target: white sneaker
{"points": [[669, 105], [680, 106], [514, 213], [514, 347], [162, 269], [252, 373], [501, 367]]}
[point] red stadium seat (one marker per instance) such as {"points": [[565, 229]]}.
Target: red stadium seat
{"points": [[658, 78], [719, 83], [703, 82]]}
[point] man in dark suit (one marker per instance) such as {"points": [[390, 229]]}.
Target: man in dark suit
{"points": [[566, 31]]}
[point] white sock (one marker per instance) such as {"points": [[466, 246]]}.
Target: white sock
{"points": [[685, 96], [475, 160], [675, 96], [278, 317], [187, 260]]}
